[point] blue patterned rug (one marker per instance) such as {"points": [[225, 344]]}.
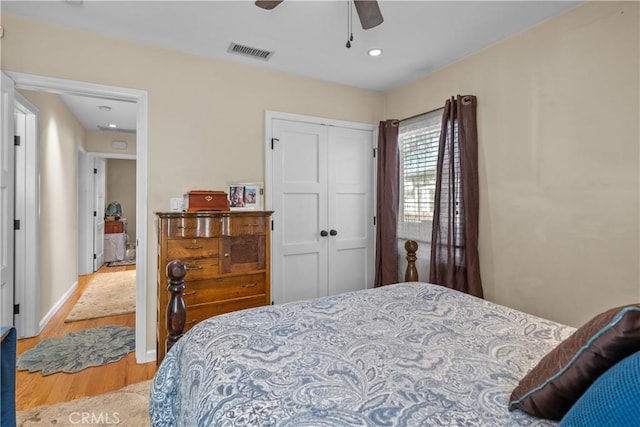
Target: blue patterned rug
{"points": [[79, 350]]}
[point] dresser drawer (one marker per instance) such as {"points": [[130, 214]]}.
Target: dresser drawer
{"points": [[221, 289], [202, 268], [194, 227], [200, 312], [192, 248], [238, 226]]}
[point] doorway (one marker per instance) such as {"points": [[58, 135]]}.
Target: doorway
{"points": [[53, 85]]}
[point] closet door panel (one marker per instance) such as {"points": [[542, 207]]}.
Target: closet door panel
{"points": [[303, 277], [299, 261], [352, 264], [350, 196]]}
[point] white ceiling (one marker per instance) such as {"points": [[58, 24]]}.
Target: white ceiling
{"points": [[308, 37], [98, 114]]}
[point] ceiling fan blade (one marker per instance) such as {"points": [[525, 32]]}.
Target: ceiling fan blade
{"points": [[369, 13], [266, 4]]}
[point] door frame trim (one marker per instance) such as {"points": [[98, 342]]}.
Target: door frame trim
{"points": [[56, 85]]}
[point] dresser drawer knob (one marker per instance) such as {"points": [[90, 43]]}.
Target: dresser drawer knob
{"points": [[194, 247], [226, 254], [248, 285], [186, 227], [189, 293], [195, 267]]}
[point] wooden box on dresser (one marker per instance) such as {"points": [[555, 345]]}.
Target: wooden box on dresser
{"points": [[228, 260]]}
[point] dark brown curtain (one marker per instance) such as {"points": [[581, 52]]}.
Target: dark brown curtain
{"points": [[454, 240], [387, 206]]}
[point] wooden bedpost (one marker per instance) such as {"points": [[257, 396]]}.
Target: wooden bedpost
{"points": [[176, 309], [411, 275]]}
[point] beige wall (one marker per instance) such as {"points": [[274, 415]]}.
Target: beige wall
{"points": [[99, 141], [558, 117], [60, 135], [201, 111], [558, 125], [121, 188]]}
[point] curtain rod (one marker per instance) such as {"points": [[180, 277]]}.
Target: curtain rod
{"points": [[421, 114]]}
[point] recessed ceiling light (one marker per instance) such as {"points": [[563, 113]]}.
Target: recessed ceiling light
{"points": [[104, 108], [111, 125], [375, 52]]}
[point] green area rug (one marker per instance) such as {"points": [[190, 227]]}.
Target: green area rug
{"points": [[79, 350]]}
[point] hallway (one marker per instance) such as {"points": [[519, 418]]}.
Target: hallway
{"points": [[32, 389]]}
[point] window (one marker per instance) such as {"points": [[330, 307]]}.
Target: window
{"points": [[418, 140]]}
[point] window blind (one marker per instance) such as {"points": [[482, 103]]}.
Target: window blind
{"points": [[418, 140]]}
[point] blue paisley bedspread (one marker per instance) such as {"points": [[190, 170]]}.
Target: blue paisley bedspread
{"points": [[401, 355]]}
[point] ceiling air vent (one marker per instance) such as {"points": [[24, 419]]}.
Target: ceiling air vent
{"points": [[252, 52]]}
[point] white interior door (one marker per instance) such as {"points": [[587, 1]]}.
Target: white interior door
{"points": [[321, 189], [99, 186], [350, 209], [6, 200], [299, 261], [26, 237], [85, 213]]}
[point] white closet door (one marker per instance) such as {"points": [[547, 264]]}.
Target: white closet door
{"points": [[299, 261], [350, 207], [322, 183]]}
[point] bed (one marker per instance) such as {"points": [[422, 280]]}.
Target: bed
{"points": [[407, 354], [404, 354]]}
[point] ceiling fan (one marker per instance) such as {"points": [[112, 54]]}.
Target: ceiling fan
{"points": [[368, 11]]}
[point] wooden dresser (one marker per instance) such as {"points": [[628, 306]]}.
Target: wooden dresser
{"points": [[228, 260]]}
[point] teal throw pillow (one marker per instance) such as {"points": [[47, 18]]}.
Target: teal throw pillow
{"points": [[613, 400]]}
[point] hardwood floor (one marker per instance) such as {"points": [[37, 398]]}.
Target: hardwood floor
{"points": [[32, 389]]}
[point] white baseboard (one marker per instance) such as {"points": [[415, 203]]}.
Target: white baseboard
{"points": [[149, 356], [58, 305]]}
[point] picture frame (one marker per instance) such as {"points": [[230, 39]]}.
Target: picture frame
{"points": [[245, 196]]}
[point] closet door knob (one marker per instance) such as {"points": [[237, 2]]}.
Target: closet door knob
{"points": [[324, 233], [333, 232]]}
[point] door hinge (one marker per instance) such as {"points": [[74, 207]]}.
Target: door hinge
{"points": [[95, 256], [273, 303], [95, 213], [16, 308], [374, 220], [16, 140], [271, 225], [95, 170], [272, 141], [374, 153], [16, 224]]}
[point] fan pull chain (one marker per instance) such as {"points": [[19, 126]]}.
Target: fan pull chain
{"points": [[349, 24]]}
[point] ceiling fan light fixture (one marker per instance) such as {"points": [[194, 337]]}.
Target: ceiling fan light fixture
{"points": [[375, 52]]}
